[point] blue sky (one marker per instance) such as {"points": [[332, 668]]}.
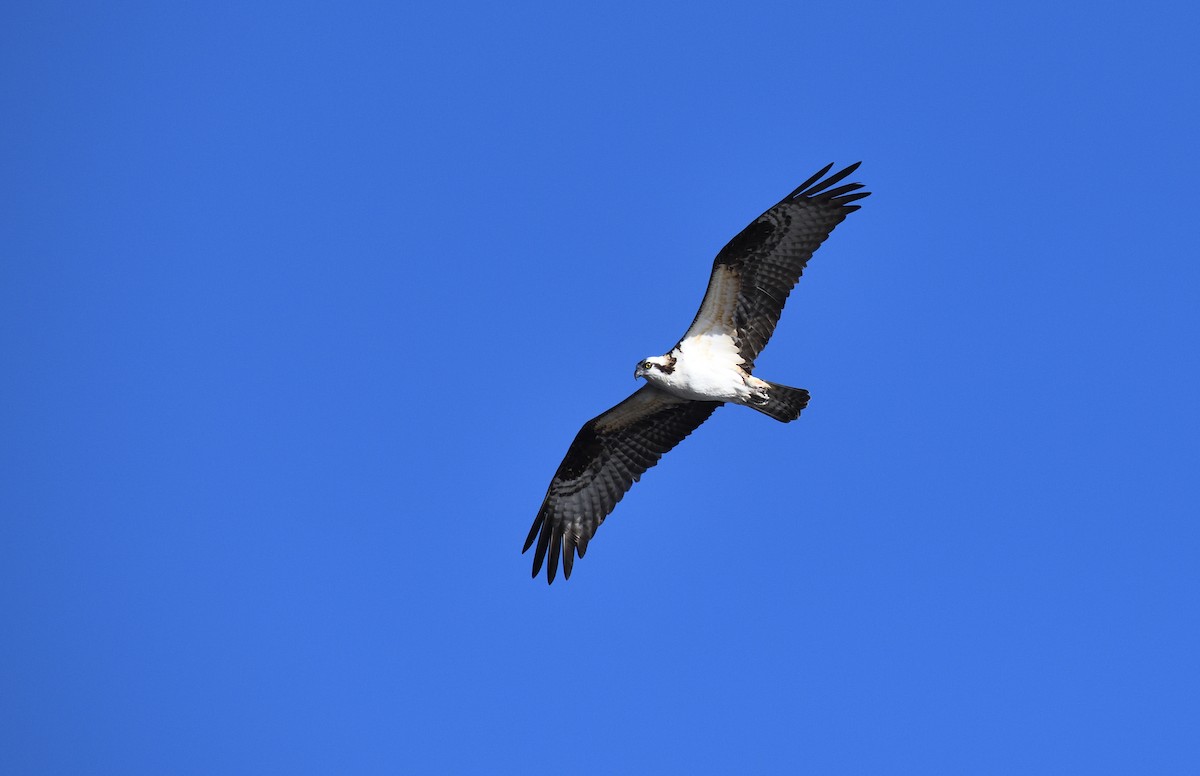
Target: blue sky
{"points": [[301, 305]]}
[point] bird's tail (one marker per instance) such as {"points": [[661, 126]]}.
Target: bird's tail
{"points": [[781, 402]]}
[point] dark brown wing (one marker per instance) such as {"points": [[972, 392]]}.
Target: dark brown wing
{"points": [[610, 453], [765, 260]]}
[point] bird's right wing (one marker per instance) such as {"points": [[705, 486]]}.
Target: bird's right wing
{"points": [[609, 454]]}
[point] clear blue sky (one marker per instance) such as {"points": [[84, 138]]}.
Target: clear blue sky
{"points": [[301, 305]]}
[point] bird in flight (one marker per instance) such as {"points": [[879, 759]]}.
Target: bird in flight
{"points": [[712, 364]]}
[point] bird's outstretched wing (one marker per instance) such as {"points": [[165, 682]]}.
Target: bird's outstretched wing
{"points": [[609, 454], [753, 275]]}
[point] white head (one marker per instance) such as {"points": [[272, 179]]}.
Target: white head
{"points": [[654, 366]]}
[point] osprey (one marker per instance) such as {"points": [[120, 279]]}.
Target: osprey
{"points": [[712, 364]]}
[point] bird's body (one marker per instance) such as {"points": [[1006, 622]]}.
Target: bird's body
{"points": [[710, 365], [704, 368]]}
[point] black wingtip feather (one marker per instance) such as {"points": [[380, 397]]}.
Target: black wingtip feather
{"points": [[840, 190], [555, 552], [836, 178], [815, 186], [816, 177], [533, 532], [568, 559], [539, 554], [854, 198]]}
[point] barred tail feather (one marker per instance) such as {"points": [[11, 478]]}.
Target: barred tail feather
{"points": [[783, 402]]}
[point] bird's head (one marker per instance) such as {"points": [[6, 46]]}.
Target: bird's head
{"points": [[654, 365]]}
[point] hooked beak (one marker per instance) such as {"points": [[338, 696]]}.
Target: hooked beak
{"points": [[639, 372]]}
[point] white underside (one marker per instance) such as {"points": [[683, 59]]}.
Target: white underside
{"points": [[707, 365]]}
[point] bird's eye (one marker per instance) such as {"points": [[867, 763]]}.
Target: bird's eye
{"points": [[645, 365]]}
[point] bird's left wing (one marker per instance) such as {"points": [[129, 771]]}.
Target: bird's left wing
{"points": [[609, 454], [753, 275]]}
